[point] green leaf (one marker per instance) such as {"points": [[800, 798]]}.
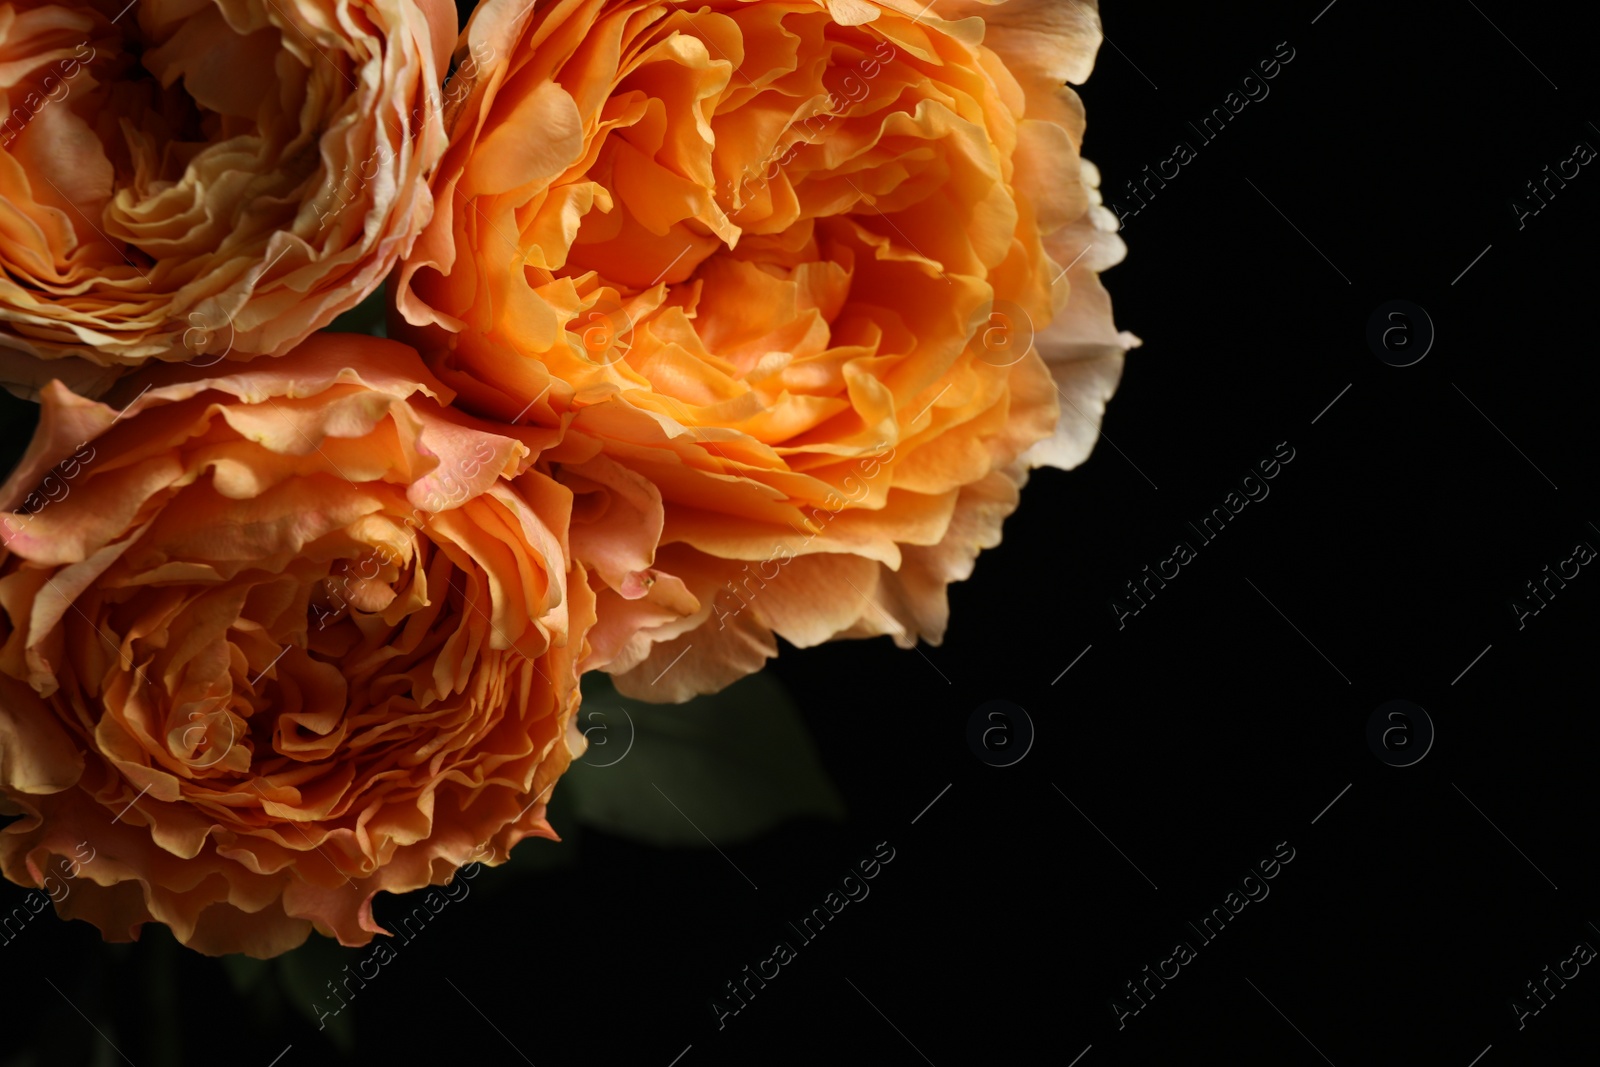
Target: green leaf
{"points": [[369, 317], [303, 976], [245, 974], [719, 769]]}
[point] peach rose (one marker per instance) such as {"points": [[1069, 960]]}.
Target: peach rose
{"points": [[819, 278], [205, 179], [278, 640]]}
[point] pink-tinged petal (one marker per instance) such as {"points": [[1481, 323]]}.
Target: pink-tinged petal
{"points": [[617, 522], [1053, 41], [724, 651], [1082, 346], [628, 626]]}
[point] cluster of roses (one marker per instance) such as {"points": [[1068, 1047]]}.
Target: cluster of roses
{"points": [[304, 619]]}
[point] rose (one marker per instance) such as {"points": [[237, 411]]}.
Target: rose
{"points": [[299, 634], [209, 182], [856, 251]]}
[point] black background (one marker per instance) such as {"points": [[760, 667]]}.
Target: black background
{"points": [[1219, 722]]}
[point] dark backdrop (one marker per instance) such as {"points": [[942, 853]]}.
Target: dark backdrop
{"points": [[1225, 722]]}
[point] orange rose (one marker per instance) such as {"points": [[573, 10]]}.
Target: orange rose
{"points": [[820, 278], [182, 180], [279, 640]]}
